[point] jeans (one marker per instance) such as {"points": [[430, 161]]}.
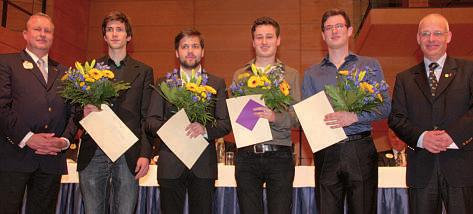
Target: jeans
{"points": [[276, 169], [104, 181]]}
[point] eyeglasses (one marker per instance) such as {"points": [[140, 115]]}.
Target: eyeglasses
{"points": [[338, 26], [436, 34]]}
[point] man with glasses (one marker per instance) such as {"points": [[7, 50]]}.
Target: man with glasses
{"points": [[432, 112], [347, 170]]}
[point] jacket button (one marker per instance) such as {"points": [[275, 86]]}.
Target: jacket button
{"points": [[50, 109], [46, 126]]}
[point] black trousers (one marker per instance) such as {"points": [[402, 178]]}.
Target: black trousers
{"points": [[173, 194], [42, 192], [458, 200], [347, 171], [276, 169]]}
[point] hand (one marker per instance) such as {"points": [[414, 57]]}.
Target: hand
{"points": [[89, 108], [45, 143], [436, 141], [142, 166], [195, 129], [340, 119], [264, 112]]}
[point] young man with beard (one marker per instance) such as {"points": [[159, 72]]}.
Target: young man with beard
{"points": [[32, 117], [174, 178], [270, 162], [98, 175], [347, 170]]}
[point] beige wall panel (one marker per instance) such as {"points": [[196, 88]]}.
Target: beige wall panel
{"points": [[230, 12], [238, 37], [178, 12], [312, 38]]}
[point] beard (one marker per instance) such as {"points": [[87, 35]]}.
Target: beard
{"points": [[188, 65]]}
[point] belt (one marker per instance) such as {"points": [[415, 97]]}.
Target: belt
{"points": [[262, 148], [358, 136]]}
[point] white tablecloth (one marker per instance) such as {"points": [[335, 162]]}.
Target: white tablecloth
{"points": [[388, 177]]}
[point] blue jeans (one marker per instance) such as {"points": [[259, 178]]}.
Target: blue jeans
{"points": [[103, 181]]}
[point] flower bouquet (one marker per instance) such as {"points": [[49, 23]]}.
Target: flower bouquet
{"points": [[191, 94], [269, 82], [356, 91], [90, 84]]}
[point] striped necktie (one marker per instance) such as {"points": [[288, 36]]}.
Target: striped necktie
{"points": [[433, 83]]}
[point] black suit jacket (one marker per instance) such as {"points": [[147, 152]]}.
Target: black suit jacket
{"points": [[27, 104], [414, 111], [131, 107], [169, 166]]}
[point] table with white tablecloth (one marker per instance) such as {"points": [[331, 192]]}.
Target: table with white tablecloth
{"points": [[392, 192]]}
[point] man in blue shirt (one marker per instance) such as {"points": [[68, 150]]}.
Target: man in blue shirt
{"points": [[348, 168]]}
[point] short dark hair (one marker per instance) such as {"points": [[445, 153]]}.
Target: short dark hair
{"points": [[188, 32], [265, 20], [335, 12], [117, 16]]}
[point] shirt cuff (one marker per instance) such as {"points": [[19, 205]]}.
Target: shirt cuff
{"points": [[27, 137], [68, 143], [206, 136], [421, 139]]}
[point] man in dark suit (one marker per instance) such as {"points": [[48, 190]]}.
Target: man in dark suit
{"points": [[432, 113], [32, 118], [174, 177], [96, 171]]}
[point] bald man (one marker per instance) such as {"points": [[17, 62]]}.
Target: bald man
{"points": [[432, 111]]}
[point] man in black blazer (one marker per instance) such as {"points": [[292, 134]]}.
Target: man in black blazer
{"points": [[174, 177], [432, 112], [32, 118], [95, 168]]}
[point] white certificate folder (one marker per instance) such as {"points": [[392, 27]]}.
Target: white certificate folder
{"points": [[173, 134], [244, 136], [311, 113], [109, 132]]}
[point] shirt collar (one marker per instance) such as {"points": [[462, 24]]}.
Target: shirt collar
{"points": [[440, 61], [252, 61], [36, 58], [351, 57], [111, 63]]}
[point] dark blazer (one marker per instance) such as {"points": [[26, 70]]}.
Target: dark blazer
{"points": [[27, 104], [169, 166], [414, 111], [130, 106]]}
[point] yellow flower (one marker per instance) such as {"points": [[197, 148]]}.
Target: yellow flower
{"points": [[108, 74], [210, 89], [243, 75], [284, 87], [203, 95], [88, 79], [95, 73], [343, 72], [361, 75], [253, 81], [265, 79], [366, 87], [81, 84], [64, 77], [87, 88], [191, 87], [200, 89], [380, 97]]}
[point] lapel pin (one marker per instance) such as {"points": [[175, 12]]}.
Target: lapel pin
{"points": [[27, 65]]}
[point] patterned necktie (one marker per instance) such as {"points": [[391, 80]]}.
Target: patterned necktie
{"points": [[42, 68], [433, 83]]}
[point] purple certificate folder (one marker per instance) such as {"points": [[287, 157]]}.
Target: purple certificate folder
{"points": [[246, 118]]}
